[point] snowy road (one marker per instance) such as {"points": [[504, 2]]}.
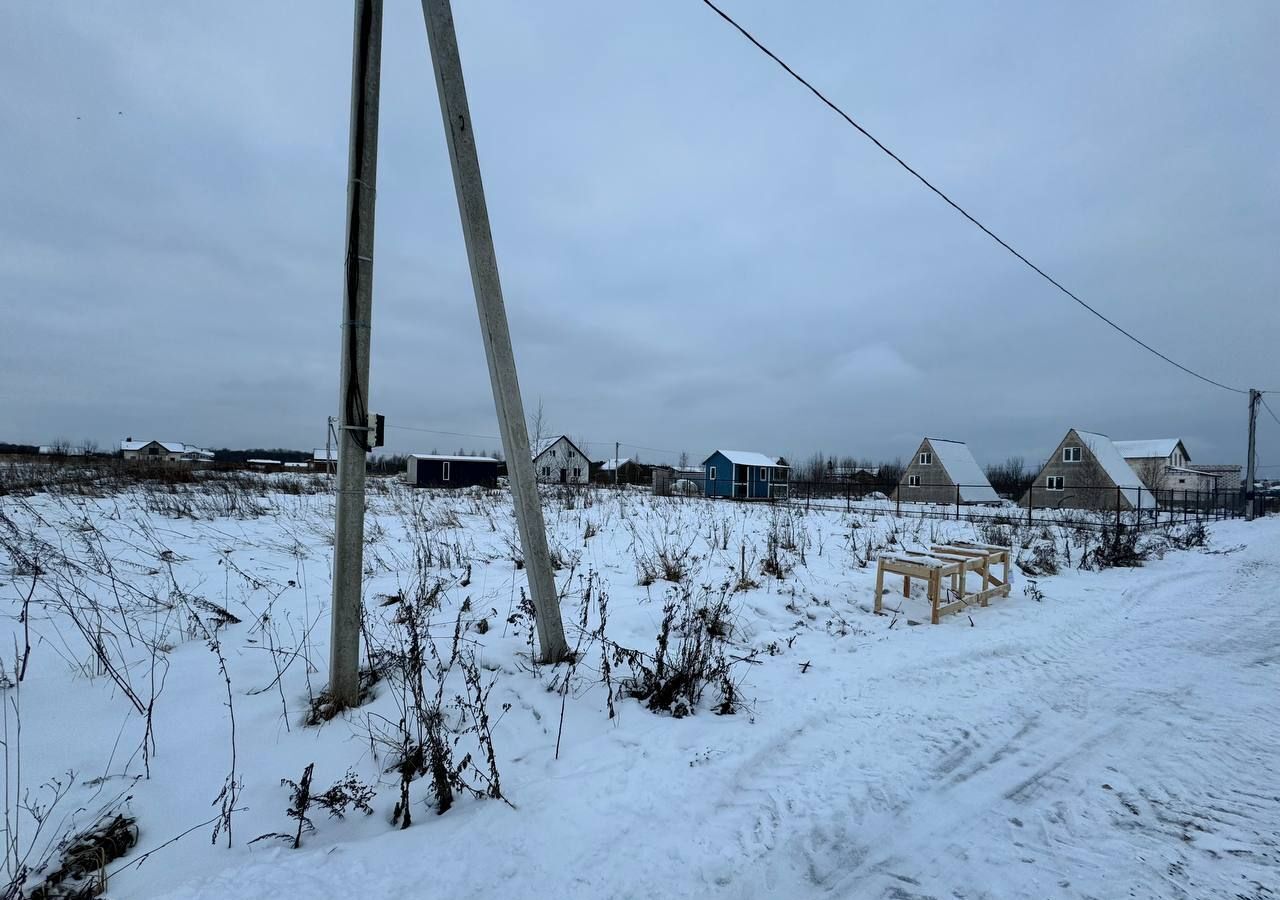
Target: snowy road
{"points": [[1118, 739], [1129, 750]]}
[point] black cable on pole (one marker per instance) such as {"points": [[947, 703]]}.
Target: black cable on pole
{"points": [[957, 207], [1268, 408]]}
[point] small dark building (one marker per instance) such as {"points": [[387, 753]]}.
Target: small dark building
{"points": [[621, 471], [430, 470]]}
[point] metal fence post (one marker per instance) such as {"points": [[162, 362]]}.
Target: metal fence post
{"points": [[1119, 498], [957, 503], [1031, 501]]}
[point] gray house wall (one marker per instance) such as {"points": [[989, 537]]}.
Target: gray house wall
{"points": [[935, 486], [1086, 485]]}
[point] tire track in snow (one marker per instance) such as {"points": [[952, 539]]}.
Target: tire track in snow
{"points": [[1036, 767]]}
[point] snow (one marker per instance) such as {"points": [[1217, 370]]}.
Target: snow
{"points": [[325, 454], [964, 471], [1117, 469], [746, 458], [1150, 449], [610, 464], [442, 457], [171, 446], [1116, 739]]}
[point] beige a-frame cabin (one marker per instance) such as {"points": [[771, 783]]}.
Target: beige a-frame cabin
{"points": [[1086, 471], [944, 471]]}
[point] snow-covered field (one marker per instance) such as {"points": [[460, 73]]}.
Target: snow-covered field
{"points": [[1098, 734]]}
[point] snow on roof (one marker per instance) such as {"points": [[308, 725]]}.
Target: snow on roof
{"points": [[537, 448], [1190, 471], [323, 454], [746, 458], [448, 458], [171, 446], [964, 471], [1119, 471], [610, 464], [263, 462], [1161, 447]]}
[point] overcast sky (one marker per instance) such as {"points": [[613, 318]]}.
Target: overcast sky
{"points": [[695, 253]]}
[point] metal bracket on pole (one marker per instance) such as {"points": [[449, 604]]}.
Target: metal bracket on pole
{"points": [[460, 135]]}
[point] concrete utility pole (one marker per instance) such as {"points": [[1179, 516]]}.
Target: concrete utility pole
{"points": [[353, 397], [443, 43], [1251, 504]]}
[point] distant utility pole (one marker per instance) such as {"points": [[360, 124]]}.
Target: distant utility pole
{"points": [[353, 398], [1251, 504], [443, 43], [616, 447]]}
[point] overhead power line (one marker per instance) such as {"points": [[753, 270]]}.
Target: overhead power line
{"points": [[957, 207], [1267, 407], [494, 437]]}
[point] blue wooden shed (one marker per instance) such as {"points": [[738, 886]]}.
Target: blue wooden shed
{"points": [[745, 475]]}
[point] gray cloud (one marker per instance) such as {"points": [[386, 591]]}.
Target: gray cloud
{"points": [[694, 252]]}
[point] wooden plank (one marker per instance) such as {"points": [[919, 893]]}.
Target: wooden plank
{"points": [[935, 585], [958, 551], [880, 586]]}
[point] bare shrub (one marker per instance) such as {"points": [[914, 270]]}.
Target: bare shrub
{"points": [[690, 655], [343, 796]]}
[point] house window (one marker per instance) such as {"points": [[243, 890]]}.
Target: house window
{"points": [[1054, 482], [764, 474], [913, 481], [926, 458], [1071, 454], [444, 471], [711, 473], [546, 471], [1182, 481], [577, 473], [553, 454]]}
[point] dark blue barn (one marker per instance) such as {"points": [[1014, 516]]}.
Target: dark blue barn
{"points": [[744, 475], [432, 470]]}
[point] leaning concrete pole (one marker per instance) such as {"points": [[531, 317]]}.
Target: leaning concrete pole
{"points": [[353, 397], [1251, 505], [443, 43]]}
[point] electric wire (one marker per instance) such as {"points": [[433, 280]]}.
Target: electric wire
{"points": [[958, 208]]}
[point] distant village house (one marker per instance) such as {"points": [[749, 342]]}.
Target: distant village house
{"points": [[1164, 464], [435, 470], [558, 460], [1086, 471], [745, 475], [163, 451], [944, 471]]}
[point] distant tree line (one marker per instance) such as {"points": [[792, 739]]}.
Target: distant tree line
{"points": [[1010, 478]]}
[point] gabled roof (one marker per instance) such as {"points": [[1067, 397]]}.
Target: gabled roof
{"points": [[1119, 471], [964, 471], [1149, 449], [171, 446], [610, 464], [538, 448], [747, 458], [324, 454]]}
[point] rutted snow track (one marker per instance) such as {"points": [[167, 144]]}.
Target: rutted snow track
{"points": [[1130, 751]]}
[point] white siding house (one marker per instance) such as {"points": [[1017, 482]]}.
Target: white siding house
{"points": [[558, 460], [1164, 464]]}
